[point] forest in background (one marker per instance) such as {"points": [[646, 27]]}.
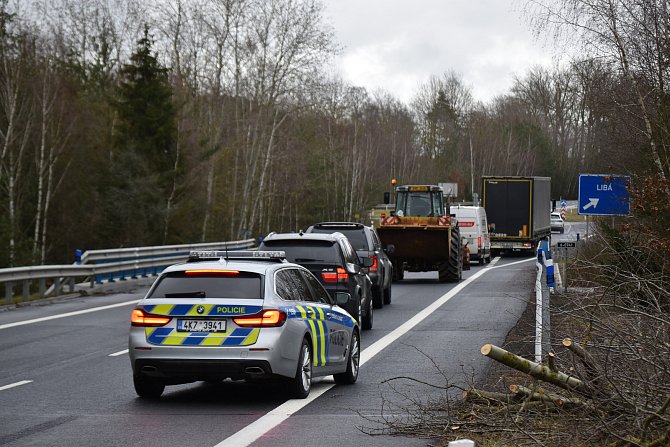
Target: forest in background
{"points": [[135, 123]]}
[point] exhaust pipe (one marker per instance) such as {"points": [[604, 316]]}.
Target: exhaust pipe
{"points": [[149, 369], [254, 370]]}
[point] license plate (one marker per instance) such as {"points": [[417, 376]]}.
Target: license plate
{"points": [[201, 325]]}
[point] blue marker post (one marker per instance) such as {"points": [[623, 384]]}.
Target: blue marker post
{"points": [[542, 317]]}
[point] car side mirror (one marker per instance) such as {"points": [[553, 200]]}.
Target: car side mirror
{"points": [[368, 262], [342, 298], [353, 268], [390, 248]]}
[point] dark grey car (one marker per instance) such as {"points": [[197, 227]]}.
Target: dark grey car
{"points": [[366, 242], [332, 259]]}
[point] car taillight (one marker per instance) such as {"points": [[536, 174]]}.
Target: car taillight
{"points": [[374, 266], [141, 318], [264, 318], [340, 275]]}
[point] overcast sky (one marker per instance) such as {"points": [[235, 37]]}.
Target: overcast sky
{"points": [[397, 44]]}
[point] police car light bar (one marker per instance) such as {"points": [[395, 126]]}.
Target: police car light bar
{"points": [[203, 255]]}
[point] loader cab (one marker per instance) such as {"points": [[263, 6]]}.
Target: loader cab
{"points": [[419, 200]]}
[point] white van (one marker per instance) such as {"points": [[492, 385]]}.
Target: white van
{"points": [[474, 230]]}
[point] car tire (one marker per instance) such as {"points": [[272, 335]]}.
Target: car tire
{"points": [[378, 297], [147, 388], [368, 319], [300, 385], [387, 294], [353, 362]]}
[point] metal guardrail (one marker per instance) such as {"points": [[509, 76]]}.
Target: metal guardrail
{"points": [[143, 261]]}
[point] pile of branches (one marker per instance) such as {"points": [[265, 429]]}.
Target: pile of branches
{"points": [[613, 379], [607, 380]]}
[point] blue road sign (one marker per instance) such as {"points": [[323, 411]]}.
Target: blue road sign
{"points": [[564, 203], [604, 195]]}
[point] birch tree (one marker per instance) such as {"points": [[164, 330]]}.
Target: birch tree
{"points": [[632, 35], [16, 120]]}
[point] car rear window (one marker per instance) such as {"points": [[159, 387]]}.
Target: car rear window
{"points": [[356, 236], [306, 251], [181, 285]]}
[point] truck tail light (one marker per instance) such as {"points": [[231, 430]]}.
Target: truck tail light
{"points": [[142, 318], [335, 277], [375, 266], [264, 318], [479, 242]]}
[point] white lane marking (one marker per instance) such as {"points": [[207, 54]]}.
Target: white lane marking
{"points": [[511, 263], [12, 385], [116, 354], [270, 420], [69, 314]]}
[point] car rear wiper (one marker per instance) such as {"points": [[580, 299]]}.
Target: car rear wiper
{"points": [[308, 260], [197, 294]]}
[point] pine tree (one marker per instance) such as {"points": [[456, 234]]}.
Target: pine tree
{"points": [[143, 164], [145, 111]]}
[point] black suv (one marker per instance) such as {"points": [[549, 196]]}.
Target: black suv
{"points": [[332, 259], [365, 241]]}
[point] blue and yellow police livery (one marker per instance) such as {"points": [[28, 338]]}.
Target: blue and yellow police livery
{"points": [[240, 315]]}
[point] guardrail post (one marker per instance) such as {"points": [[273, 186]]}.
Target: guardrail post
{"points": [[26, 290], [9, 291], [71, 284], [57, 286], [43, 287]]}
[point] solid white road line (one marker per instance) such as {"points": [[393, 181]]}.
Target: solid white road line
{"points": [[270, 420], [69, 314], [12, 385], [116, 354]]}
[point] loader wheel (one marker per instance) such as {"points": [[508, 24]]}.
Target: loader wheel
{"points": [[452, 270], [398, 273]]}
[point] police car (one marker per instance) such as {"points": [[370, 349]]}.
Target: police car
{"points": [[241, 315]]}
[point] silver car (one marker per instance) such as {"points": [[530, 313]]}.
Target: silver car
{"points": [[243, 315], [557, 223]]}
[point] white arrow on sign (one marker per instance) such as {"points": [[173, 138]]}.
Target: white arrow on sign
{"points": [[592, 203]]}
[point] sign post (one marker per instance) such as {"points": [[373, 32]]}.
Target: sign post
{"points": [[565, 246]]}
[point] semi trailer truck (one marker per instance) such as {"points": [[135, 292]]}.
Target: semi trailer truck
{"points": [[518, 210]]}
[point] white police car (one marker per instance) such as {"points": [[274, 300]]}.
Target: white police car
{"points": [[240, 315]]}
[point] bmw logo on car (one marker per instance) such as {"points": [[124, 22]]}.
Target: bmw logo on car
{"points": [[201, 309]]}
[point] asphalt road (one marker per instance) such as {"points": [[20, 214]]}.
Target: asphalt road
{"points": [[65, 378]]}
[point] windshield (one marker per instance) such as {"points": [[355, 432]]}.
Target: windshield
{"points": [[355, 235], [305, 250], [181, 285], [420, 203]]}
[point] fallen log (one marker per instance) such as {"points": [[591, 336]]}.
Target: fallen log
{"points": [[536, 370], [537, 394]]}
